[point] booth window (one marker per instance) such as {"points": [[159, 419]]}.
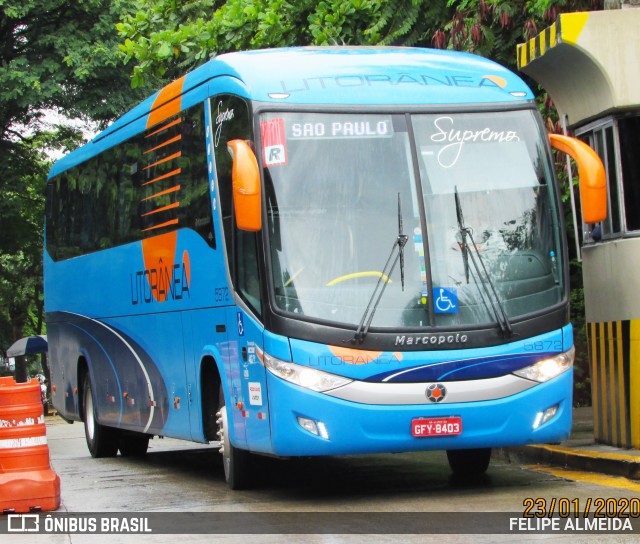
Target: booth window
{"points": [[617, 140], [629, 131]]}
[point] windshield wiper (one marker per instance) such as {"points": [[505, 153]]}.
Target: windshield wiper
{"points": [[480, 270], [401, 241], [383, 280], [463, 236]]}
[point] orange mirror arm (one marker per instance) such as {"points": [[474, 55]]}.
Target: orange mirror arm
{"points": [[593, 180], [245, 177]]}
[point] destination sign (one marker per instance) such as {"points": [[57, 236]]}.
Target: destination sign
{"points": [[277, 132], [374, 127]]}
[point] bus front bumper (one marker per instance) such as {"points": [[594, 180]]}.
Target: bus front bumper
{"points": [[307, 423]]}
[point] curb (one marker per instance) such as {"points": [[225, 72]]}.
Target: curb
{"points": [[589, 460]]}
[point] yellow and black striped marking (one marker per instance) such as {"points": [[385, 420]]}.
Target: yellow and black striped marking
{"points": [[615, 374], [566, 29]]}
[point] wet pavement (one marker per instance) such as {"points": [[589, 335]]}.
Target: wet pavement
{"points": [[580, 451]]}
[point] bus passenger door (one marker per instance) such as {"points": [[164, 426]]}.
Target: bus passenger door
{"points": [[248, 383], [232, 136], [246, 334]]}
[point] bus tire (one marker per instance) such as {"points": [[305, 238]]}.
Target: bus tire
{"points": [[234, 460], [102, 441], [469, 463], [133, 445]]}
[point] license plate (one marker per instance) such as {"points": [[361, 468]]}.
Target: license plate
{"points": [[436, 426]]}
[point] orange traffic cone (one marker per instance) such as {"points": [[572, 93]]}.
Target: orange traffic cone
{"points": [[27, 482]]}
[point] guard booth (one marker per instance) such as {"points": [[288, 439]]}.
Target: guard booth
{"points": [[589, 64]]}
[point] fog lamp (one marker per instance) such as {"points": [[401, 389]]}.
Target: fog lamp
{"points": [[314, 427], [543, 417]]}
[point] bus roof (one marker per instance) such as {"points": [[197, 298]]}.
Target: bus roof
{"points": [[342, 75]]}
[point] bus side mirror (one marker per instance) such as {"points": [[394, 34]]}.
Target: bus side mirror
{"points": [[593, 180], [245, 177]]}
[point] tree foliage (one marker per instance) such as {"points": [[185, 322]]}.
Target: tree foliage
{"points": [[166, 38], [54, 55], [62, 55]]}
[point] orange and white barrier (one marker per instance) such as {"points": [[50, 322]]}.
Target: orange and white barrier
{"points": [[27, 482]]}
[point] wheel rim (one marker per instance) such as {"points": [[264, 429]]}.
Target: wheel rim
{"points": [[225, 446], [89, 420]]}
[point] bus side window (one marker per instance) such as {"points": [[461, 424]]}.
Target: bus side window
{"points": [[247, 278], [231, 120]]}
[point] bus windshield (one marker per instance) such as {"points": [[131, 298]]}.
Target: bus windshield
{"points": [[340, 188]]}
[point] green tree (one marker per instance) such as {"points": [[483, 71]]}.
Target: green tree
{"points": [[54, 55], [21, 212], [166, 38]]}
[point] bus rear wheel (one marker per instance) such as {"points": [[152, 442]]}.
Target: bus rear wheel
{"points": [[235, 461], [469, 463], [102, 441]]}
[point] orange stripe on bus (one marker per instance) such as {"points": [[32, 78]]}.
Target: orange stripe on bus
{"points": [[165, 127], [165, 224], [162, 209], [167, 103], [163, 144], [186, 263], [162, 193], [166, 159], [354, 356], [358, 356], [157, 252], [163, 176]]}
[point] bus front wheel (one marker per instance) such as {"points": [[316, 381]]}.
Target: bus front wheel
{"points": [[235, 461], [102, 441], [469, 463]]}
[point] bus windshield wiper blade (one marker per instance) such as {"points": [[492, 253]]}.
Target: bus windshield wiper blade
{"points": [[383, 280], [401, 241], [480, 269], [462, 231]]}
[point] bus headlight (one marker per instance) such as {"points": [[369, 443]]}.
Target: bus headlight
{"points": [[547, 369], [310, 378]]}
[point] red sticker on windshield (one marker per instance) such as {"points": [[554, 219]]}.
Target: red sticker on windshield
{"points": [[274, 144]]}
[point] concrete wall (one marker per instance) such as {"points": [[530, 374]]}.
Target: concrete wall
{"points": [[611, 272]]}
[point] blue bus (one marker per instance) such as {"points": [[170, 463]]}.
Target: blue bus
{"points": [[317, 251]]}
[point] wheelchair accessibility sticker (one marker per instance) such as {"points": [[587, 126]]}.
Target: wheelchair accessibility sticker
{"points": [[240, 324], [445, 300]]}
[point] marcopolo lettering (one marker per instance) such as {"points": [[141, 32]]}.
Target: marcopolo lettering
{"points": [[430, 339]]}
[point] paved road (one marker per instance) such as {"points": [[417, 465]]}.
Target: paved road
{"points": [[177, 476]]}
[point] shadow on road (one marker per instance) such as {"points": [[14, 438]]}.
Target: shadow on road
{"points": [[363, 475]]}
